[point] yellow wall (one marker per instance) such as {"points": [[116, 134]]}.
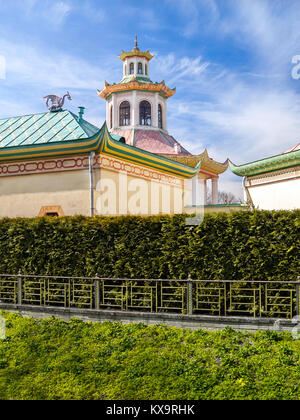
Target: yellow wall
{"points": [[116, 193], [23, 196]]}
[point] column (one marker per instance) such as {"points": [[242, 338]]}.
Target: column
{"points": [[108, 114], [165, 121], [194, 190], [155, 111], [199, 191], [202, 191], [214, 190], [134, 110], [115, 112]]}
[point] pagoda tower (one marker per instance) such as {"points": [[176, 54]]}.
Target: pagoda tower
{"points": [[136, 107]]}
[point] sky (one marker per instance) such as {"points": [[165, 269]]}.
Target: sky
{"points": [[233, 63]]}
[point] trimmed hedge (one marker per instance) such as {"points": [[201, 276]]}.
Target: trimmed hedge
{"points": [[259, 245]]}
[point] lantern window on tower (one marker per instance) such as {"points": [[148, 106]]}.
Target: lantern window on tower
{"points": [[140, 68], [125, 113], [145, 113], [131, 68]]}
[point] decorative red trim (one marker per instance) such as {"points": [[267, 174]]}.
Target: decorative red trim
{"points": [[120, 166], [54, 165], [81, 163]]}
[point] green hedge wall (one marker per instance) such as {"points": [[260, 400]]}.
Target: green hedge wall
{"points": [[258, 245]]}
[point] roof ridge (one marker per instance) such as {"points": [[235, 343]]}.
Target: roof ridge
{"points": [[178, 142], [31, 115], [168, 140], [292, 149], [75, 116]]}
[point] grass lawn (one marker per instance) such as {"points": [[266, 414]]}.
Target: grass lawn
{"points": [[53, 359]]}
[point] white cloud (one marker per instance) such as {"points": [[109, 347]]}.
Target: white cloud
{"points": [[57, 12], [268, 29], [53, 12], [94, 14], [32, 73], [178, 69], [51, 69], [192, 11]]}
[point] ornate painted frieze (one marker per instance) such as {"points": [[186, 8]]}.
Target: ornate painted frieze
{"points": [[282, 175], [82, 163]]}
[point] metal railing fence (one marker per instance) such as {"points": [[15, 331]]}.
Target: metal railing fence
{"points": [[277, 299]]}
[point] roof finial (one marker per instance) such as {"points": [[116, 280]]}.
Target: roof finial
{"points": [[135, 42], [81, 113]]}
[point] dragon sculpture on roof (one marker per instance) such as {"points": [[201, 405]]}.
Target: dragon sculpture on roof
{"points": [[56, 102]]}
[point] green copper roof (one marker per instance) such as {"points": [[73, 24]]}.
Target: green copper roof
{"points": [[44, 128], [142, 79], [275, 163]]}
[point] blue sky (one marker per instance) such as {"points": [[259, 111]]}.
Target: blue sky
{"points": [[230, 60]]}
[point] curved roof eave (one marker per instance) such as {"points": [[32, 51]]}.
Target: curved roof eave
{"points": [[203, 159], [274, 163]]}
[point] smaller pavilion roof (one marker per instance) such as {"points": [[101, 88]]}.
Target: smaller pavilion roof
{"points": [[207, 163], [44, 128], [133, 78], [136, 83]]}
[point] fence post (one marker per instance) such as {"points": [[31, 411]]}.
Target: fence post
{"points": [[97, 292], [189, 296], [19, 288], [298, 297]]}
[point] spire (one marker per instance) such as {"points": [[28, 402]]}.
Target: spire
{"points": [[136, 48]]}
